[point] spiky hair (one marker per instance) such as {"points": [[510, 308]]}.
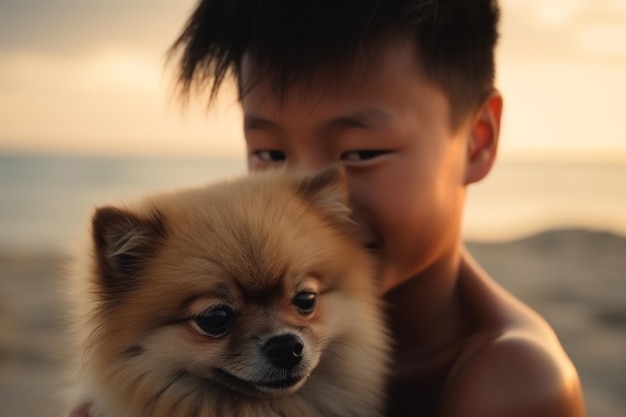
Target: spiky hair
{"points": [[292, 40]]}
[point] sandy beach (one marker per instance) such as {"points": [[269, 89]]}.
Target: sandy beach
{"points": [[574, 278]]}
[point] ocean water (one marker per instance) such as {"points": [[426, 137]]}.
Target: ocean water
{"points": [[521, 198], [46, 201]]}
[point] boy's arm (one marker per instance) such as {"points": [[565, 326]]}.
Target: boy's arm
{"points": [[515, 376]]}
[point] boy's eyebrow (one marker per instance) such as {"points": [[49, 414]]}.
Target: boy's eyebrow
{"points": [[251, 121], [362, 117]]}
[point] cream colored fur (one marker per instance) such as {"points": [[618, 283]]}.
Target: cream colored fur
{"points": [[248, 243]]}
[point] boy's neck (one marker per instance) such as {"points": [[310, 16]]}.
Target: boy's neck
{"points": [[425, 311]]}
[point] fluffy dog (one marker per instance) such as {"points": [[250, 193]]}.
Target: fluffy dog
{"points": [[244, 298]]}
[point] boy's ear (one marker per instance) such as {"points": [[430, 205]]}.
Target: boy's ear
{"points": [[123, 242], [327, 190], [483, 140]]}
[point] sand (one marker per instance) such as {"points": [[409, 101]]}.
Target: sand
{"points": [[574, 278]]}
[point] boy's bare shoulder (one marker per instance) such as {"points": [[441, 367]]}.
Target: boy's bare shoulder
{"points": [[513, 376], [514, 365]]}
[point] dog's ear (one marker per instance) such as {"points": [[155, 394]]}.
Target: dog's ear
{"points": [[123, 242], [327, 190]]}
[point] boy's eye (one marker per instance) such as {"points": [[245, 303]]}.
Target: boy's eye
{"points": [[364, 155], [270, 155], [215, 322]]}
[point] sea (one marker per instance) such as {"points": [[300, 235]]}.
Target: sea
{"points": [[46, 200]]}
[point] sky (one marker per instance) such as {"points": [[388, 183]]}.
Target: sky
{"points": [[90, 77]]}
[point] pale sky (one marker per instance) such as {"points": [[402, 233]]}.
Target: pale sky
{"points": [[89, 77]]}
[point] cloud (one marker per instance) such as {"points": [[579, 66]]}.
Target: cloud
{"points": [[69, 27], [575, 30], [605, 40], [116, 69], [563, 109]]}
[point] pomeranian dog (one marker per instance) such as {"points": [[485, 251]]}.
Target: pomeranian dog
{"points": [[245, 298]]}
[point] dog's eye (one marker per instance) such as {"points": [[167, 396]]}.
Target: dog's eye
{"points": [[215, 322], [305, 301]]}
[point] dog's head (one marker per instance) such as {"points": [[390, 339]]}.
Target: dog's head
{"points": [[239, 285]]}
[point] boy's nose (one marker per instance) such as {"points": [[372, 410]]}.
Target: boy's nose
{"points": [[310, 160]]}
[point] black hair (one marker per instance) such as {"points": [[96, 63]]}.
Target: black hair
{"points": [[291, 40]]}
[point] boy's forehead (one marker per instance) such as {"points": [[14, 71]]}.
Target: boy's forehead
{"points": [[331, 71], [377, 95]]}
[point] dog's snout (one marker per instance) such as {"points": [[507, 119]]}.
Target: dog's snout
{"points": [[284, 351]]}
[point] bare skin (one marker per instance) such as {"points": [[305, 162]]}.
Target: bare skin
{"points": [[464, 346], [502, 360]]}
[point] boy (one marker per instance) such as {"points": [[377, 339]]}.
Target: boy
{"points": [[401, 94]]}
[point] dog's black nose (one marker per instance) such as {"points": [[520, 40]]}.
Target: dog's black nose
{"points": [[284, 351]]}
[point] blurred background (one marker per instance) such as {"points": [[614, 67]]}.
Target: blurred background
{"points": [[87, 117]]}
